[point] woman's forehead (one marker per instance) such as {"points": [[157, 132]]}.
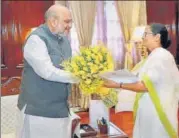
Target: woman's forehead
{"points": [[148, 29]]}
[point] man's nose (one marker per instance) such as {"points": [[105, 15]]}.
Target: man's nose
{"points": [[70, 25]]}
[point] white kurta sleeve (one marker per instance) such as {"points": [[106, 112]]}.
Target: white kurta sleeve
{"points": [[36, 54]]}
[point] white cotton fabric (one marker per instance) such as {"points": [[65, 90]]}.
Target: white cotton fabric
{"points": [[162, 70]]}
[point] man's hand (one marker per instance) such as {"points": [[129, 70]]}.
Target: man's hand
{"points": [[72, 78], [75, 79]]}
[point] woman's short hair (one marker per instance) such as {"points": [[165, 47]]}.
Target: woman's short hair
{"points": [[161, 29]]}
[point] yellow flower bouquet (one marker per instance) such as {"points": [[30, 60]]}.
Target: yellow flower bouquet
{"points": [[87, 66]]}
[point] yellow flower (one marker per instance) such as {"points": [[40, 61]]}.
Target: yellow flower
{"points": [[95, 50], [90, 63], [89, 58], [95, 75], [89, 75], [83, 63], [81, 72], [83, 77], [97, 61], [76, 70], [93, 56], [87, 52], [101, 66], [110, 66], [85, 69], [94, 69], [100, 57], [103, 91], [88, 81]]}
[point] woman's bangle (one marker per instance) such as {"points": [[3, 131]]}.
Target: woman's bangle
{"points": [[120, 86]]}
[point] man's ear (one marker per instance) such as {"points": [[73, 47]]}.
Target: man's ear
{"points": [[53, 22]]}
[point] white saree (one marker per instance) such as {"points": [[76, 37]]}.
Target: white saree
{"points": [[162, 71]]}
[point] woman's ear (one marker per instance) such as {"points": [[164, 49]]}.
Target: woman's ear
{"points": [[157, 37]]}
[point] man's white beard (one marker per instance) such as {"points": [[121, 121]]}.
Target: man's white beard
{"points": [[61, 34]]}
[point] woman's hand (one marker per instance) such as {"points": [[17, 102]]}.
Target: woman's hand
{"points": [[111, 84], [135, 87]]}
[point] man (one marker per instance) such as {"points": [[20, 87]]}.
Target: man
{"points": [[45, 87]]}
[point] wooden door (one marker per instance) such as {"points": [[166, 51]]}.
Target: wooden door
{"points": [[18, 17]]}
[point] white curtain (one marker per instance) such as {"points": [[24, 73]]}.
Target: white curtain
{"points": [[115, 39], [106, 29]]}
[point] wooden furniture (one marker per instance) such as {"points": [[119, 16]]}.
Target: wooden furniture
{"points": [[114, 132], [123, 120], [10, 85]]}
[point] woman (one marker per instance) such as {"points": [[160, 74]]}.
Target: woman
{"points": [[156, 102]]}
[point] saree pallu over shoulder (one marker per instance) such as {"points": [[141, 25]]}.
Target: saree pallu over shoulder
{"points": [[138, 65]]}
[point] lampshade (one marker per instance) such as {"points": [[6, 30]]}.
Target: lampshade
{"points": [[30, 31]]}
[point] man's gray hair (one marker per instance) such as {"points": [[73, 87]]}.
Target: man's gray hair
{"points": [[50, 13], [53, 11]]}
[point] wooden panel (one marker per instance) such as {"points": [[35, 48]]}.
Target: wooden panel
{"points": [[18, 17], [177, 30], [163, 12]]}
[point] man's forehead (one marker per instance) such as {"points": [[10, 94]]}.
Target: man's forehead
{"points": [[64, 13]]}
